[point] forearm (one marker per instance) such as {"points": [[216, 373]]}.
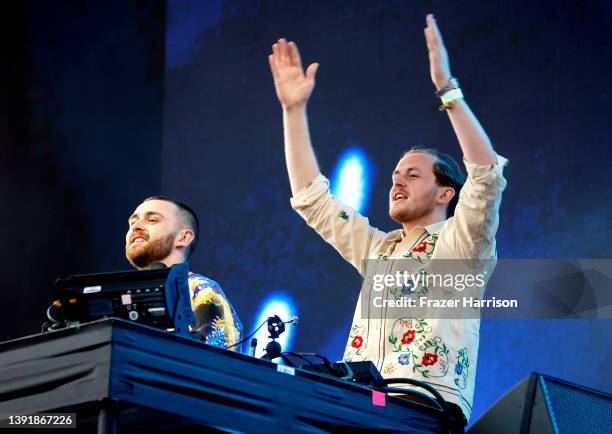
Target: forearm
{"points": [[473, 140], [300, 157]]}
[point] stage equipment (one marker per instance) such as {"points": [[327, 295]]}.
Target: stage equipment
{"points": [[541, 404], [158, 298], [122, 376]]}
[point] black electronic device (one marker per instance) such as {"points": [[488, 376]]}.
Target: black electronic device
{"points": [[364, 373], [158, 298]]}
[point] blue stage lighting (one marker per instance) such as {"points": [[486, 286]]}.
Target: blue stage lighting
{"points": [[350, 183], [280, 305]]}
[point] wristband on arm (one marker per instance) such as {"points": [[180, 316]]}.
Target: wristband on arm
{"points": [[450, 94]]}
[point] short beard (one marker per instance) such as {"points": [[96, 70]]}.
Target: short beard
{"points": [[425, 207], [151, 251]]}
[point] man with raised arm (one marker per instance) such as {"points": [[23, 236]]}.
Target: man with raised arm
{"points": [[437, 223]]}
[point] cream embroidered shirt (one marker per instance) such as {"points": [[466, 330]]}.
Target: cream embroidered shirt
{"points": [[441, 352]]}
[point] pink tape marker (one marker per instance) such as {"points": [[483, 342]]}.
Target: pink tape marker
{"points": [[379, 398]]}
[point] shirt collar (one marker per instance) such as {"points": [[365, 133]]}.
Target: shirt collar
{"points": [[435, 228], [432, 229]]}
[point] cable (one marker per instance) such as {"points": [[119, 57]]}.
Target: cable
{"points": [[433, 403], [248, 337], [53, 320], [439, 400], [53, 323], [446, 417]]}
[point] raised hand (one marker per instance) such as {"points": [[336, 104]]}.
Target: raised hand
{"points": [[293, 87], [438, 57]]}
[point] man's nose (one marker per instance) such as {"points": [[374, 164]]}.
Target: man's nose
{"points": [[137, 226], [398, 181]]}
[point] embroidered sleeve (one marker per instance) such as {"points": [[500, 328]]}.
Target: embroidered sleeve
{"points": [[345, 229]]}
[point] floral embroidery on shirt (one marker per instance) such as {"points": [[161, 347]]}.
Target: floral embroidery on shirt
{"points": [[419, 289], [382, 255], [420, 248], [408, 337], [422, 290], [408, 290], [434, 361], [356, 342], [461, 368], [429, 359], [442, 364], [343, 215], [422, 252], [389, 369], [404, 359], [406, 331]]}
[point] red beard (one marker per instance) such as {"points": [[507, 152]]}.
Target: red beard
{"points": [[151, 251]]}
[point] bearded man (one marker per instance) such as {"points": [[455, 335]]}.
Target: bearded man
{"points": [[166, 231], [424, 191]]}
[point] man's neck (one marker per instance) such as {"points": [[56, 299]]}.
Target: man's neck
{"points": [[168, 261], [423, 221]]}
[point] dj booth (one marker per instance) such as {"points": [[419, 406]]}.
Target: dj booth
{"points": [[142, 369], [120, 376]]}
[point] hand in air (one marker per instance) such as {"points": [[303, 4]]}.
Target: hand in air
{"points": [[293, 86], [438, 57]]}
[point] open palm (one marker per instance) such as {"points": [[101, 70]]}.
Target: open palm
{"points": [[293, 87], [438, 57]]}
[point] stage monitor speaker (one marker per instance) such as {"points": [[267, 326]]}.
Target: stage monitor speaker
{"points": [[541, 404]]}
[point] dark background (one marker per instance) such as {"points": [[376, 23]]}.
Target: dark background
{"points": [[104, 103]]}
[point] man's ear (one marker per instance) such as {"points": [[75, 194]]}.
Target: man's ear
{"points": [[184, 238], [446, 195]]}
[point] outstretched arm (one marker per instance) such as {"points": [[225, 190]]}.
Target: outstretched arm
{"points": [[349, 232], [293, 88], [476, 217], [474, 142]]}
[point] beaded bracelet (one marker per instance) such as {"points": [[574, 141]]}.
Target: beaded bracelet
{"points": [[451, 84]]}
